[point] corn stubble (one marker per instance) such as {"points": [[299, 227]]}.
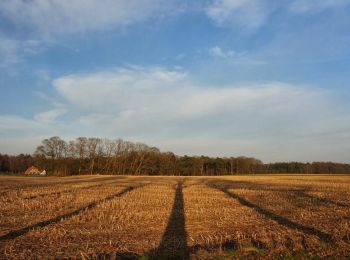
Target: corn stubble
{"points": [[175, 217]]}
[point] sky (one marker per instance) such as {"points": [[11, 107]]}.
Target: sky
{"points": [[262, 78]]}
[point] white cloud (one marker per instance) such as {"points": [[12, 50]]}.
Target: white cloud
{"points": [[17, 145], [165, 108], [249, 14], [22, 135], [143, 93], [252, 14], [54, 17], [43, 123], [11, 122], [40, 23], [121, 89], [13, 51], [239, 58], [218, 52], [313, 6], [50, 116], [8, 51]]}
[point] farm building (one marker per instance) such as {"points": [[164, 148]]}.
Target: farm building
{"points": [[32, 171]]}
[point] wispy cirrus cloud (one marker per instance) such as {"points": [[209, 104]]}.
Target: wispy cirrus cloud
{"points": [[237, 58], [314, 6], [13, 51], [12, 122], [50, 116], [38, 25], [248, 14], [41, 121], [20, 134], [56, 17], [8, 51], [219, 53]]}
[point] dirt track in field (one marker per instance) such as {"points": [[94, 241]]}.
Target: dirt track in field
{"points": [[179, 217]]}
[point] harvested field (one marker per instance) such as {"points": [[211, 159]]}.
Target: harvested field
{"points": [[175, 217]]}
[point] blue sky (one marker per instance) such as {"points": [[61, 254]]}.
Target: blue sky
{"points": [[261, 78]]}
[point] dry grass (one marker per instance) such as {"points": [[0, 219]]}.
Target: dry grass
{"points": [[180, 217]]}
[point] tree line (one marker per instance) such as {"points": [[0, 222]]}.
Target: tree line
{"points": [[119, 157]]}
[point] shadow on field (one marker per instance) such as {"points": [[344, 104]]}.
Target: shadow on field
{"points": [[301, 191], [118, 182], [224, 186], [319, 200], [46, 182], [227, 245], [23, 231], [174, 241]]}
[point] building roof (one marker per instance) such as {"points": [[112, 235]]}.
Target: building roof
{"points": [[32, 170]]}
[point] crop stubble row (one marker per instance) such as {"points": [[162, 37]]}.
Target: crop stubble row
{"points": [[220, 214]]}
